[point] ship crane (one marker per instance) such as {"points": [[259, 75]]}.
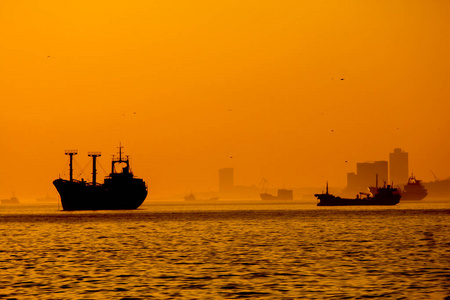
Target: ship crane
{"points": [[434, 175], [263, 183]]}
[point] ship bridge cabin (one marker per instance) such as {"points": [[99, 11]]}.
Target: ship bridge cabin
{"points": [[119, 162]]}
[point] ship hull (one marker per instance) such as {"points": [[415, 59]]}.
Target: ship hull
{"points": [[112, 195], [415, 195], [266, 196], [330, 200]]}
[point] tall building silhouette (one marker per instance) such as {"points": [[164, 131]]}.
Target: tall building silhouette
{"points": [[366, 174], [226, 180], [398, 167]]}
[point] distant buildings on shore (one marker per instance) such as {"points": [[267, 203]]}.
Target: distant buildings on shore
{"points": [[228, 190], [367, 173], [226, 181], [372, 173], [395, 171], [398, 167]]}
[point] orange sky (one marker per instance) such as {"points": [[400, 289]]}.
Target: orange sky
{"points": [[189, 87]]}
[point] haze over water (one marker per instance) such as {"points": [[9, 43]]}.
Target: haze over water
{"points": [[293, 91], [226, 251]]}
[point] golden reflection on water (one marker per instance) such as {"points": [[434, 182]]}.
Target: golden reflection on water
{"points": [[286, 252]]}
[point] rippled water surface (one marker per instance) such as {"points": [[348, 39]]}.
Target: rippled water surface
{"points": [[227, 251]]}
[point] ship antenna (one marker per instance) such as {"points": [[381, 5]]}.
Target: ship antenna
{"points": [[112, 164], [71, 153], [120, 151], [327, 187]]}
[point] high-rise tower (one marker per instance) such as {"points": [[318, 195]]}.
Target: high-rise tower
{"points": [[226, 180], [398, 167]]}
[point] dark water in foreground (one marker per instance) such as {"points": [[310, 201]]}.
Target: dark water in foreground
{"points": [[229, 251]]}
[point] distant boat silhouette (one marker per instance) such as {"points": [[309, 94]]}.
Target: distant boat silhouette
{"points": [[386, 195], [46, 199], [119, 190], [12, 200], [191, 197], [282, 194]]}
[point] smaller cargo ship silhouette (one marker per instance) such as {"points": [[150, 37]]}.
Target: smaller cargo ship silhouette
{"points": [[414, 190], [386, 195], [120, 190], [282, 194], [191, 197]]}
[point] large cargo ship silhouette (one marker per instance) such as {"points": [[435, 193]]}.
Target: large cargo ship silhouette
{"points": [[386, 195], [120, 190]]}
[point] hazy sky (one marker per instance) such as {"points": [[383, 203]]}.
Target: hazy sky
{"points": [[189, 87]]}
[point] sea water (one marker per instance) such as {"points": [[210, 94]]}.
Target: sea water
{"points": [[226, 251]]}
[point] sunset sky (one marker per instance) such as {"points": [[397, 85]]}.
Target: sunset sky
{"points": [[295, 91]]}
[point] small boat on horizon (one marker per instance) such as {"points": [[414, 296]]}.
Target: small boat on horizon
{"points": [[282, 194], [46, 199], [12, 200], [191, 197]]}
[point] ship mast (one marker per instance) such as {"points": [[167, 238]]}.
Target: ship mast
{"points": [[120, 152], [94, 166], [71, 153]]}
